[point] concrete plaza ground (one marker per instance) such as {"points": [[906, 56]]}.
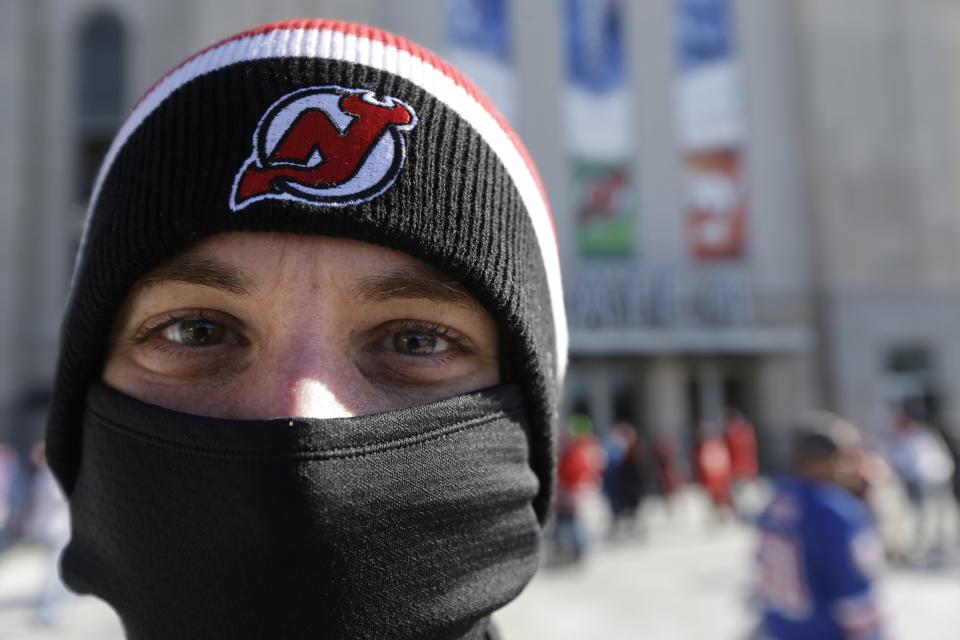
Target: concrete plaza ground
{"points": [[689, 579], [686, 579]]}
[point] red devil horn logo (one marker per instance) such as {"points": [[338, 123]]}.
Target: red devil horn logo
{"points": [[325, 145]]}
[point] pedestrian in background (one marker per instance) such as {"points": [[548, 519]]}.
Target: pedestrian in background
{"points": [[615, 445], [819, 555], [9, 469], [952, 443], [580, 469], [631, 480], [48, 525], [923, 462], [667, 467], [741, 440], [711, 460]]}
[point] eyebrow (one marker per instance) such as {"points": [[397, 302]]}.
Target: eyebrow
{"points": [[198, 270], [413, 282], [408, 282]]}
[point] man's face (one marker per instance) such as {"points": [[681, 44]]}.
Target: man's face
{"points": [[263, 325], [848, 469]]}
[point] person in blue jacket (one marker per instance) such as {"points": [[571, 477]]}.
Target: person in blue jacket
{"points": [[819, 554]]}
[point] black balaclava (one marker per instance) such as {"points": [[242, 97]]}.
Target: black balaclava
{"points": [[415, 523]]}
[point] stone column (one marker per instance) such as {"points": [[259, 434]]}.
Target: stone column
{"points": [[600, 398], [710, 390], [665, 409], [784, 386]]}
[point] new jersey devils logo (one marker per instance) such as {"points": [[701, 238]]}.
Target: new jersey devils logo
{"points": [[325, 145]]}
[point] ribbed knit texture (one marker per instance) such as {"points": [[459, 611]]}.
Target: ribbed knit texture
{"points": [[453, 205]]}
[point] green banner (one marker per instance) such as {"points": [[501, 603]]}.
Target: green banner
{"points": [[604, 205]]}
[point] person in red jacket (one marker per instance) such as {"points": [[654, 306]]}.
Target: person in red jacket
{"points": [[712, 466], [742, 443], [579, 471]]}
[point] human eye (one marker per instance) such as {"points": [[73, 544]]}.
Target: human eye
{"points": [[189, 330], [421, 342], [420, 339], [197, 332], [423, 359], [418, 354]]}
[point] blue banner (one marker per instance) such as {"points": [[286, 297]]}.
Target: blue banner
{"points": [[704, 32], [481, 26], [595, 44], [478, 44]]}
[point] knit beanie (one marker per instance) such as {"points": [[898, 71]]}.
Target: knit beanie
{"points": [[332, 128]]}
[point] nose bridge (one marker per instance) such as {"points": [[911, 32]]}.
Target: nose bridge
{"points": [[306, 397], [309, 377]]}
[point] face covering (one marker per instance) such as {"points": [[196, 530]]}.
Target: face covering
{"points": [[407, 524]]}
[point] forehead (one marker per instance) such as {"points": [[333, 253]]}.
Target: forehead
{"points": [[241, 263]]}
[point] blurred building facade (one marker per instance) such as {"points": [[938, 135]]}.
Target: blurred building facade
{"points": [[755, 200], [880, 111]]}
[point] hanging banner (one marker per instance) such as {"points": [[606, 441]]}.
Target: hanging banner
{"points": [[478, 38], [598, 123], [717, 204], [711, 124]]}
